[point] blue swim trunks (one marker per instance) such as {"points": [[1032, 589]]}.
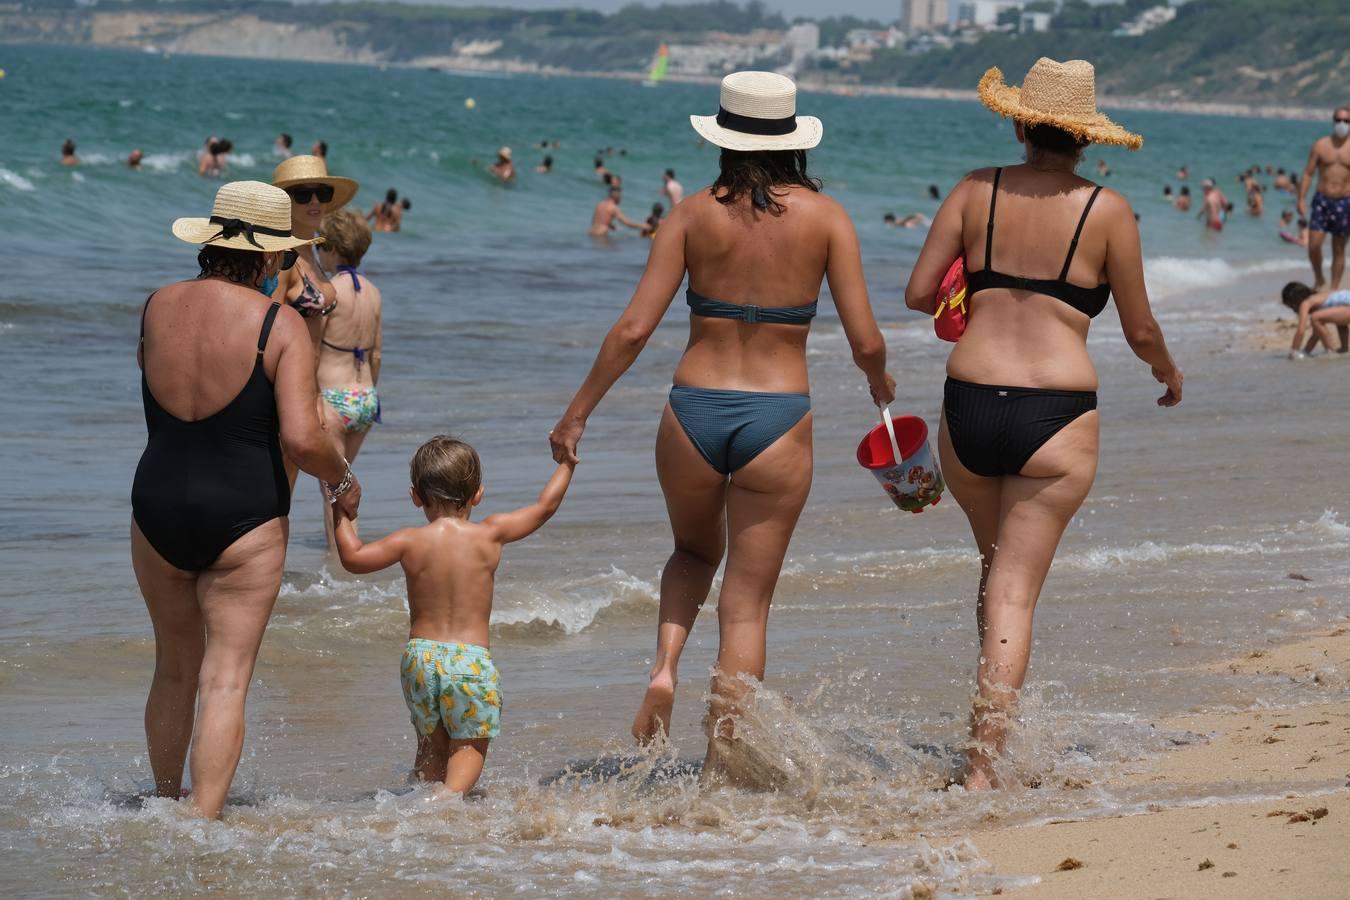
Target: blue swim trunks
{"points": [[455, 684], [1330, 214], [1336, 298]]}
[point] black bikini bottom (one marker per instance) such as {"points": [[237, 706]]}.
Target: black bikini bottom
{"points": [[995, 430]]}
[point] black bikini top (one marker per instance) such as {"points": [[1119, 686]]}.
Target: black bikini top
{"points": [[747, 312], [1088, 301]]}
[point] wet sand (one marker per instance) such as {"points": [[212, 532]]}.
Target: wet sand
{"points": [[1287, 837]]}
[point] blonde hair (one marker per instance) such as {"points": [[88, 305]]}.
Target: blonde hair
{"points": [[446, 469], [346, 234]]}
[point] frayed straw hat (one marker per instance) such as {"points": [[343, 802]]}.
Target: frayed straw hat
{"points": [[247, 215], [1062, 94], [758, 112], [313, 170]]}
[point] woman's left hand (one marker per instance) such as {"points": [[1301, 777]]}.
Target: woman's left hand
{"points": [[564, 437]]}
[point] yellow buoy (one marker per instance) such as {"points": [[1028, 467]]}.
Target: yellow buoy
{"points": [[469, 103], [2, 73]]}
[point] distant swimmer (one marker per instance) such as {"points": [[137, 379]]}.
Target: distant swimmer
{"points": [[1291, 235], [282, 146], [1330, 159], [1215, 208], [320, 149], [1183, 201], [672, 189], [607, 212], [1183, 173], [545, 167], [600, 170], [613, 180], [913, 220], [934, 193], [653, 221], [1283, 182], [387, 216], [503, 168], [134, 160], [1256, 201], [68, 157], [213, 162], [1103, 170]]}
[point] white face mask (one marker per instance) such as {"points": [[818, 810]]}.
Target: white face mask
{"points": [[1341, 129]]}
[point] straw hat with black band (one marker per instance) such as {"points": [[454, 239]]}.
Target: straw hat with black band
{"points": [[247, 215], [313, 170], [758, 111], [1062, 94]]}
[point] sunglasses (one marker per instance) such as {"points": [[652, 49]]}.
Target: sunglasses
{"points": [[302, 193], [1339, 119]]}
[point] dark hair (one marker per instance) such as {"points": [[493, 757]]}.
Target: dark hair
{"points": [[548, 161], [670, 173], [761, 174], [323, 148], [889, 217], [390, 196], [1185, 191], [934, 192], [221, 146], [657, 209], [1167, 190], [1294, 293], [239, 266], [406, 203], [599, 162], [68, 148], [446, 469], [1054, 140], [286, 140], [609, 178]]}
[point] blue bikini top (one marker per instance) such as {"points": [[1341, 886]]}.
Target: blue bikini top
{"points": [[748, 312]]}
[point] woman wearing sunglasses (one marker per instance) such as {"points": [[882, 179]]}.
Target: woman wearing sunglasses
{"points": [[227, 381], [313, 193]]}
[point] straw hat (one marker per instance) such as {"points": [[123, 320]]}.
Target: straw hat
{"points": [[247, 215], [758, 112], [1062, 94], [313, 170]]}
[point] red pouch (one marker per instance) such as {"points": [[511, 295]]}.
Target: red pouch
{"points": [[950, 319]]}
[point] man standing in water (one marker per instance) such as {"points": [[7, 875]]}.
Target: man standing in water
{"points": [[503, 168], [672, 189], [1330, 157], [68, 157], [1215, 209], [607, 211]]}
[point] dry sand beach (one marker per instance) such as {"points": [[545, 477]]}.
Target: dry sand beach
{"points": [[1288, 839]]}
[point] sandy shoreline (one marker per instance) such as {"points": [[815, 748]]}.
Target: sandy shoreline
{"points": [[1270, 807]]}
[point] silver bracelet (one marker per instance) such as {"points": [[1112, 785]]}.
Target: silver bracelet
{"points": [[343, 486]]}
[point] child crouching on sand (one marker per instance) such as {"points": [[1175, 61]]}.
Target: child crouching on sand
{"points": [[452, 689], [1319, 309]]}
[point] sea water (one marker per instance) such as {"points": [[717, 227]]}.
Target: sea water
{"points": [[496, 301]]}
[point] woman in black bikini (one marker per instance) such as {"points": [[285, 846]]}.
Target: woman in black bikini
{"points": [[1019, 432], [228, 386]]}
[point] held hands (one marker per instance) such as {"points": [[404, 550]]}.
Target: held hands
{"points": [[563, 439], [883, 391], [1173, 381]]}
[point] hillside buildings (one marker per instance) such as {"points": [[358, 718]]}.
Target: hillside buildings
{"points": [[923, 15]]}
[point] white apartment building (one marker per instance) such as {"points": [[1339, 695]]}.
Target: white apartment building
{"points": [[802, 41], [983, 13]]}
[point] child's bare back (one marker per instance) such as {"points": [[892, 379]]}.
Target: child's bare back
{"points": [[450, 684]]}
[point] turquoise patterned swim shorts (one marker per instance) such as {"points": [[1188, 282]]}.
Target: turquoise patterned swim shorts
{"points": [[452, 683]]}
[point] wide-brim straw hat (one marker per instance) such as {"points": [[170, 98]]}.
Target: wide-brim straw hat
{"points": [[758, 112], [313, 170], [247, 215], [1062, 94]]}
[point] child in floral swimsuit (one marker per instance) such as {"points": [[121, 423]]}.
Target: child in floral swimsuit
{"points": [[450, 684]]}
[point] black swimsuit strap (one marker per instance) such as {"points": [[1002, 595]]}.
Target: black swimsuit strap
{"points": [[267, 328], [989, 232], [1073, 245]]}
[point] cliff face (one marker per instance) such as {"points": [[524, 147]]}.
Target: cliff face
{"points": [[233, 35]]}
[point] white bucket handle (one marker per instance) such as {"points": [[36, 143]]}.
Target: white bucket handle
{"points": [[890, 430]]}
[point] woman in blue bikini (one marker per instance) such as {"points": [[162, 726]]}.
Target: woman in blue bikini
{"points": [[350, 339], [733, 451]]}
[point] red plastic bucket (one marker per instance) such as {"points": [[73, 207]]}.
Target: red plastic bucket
{"points": [[914, 480]]}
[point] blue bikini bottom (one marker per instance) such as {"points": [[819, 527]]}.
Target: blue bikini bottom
{"points": [[731, 428]]}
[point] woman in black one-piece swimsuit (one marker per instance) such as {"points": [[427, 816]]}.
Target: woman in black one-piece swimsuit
{"points": [[228, 387], [1044, 251]]}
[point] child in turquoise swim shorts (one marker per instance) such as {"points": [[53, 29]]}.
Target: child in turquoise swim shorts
{"points": [[450, 684]]}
